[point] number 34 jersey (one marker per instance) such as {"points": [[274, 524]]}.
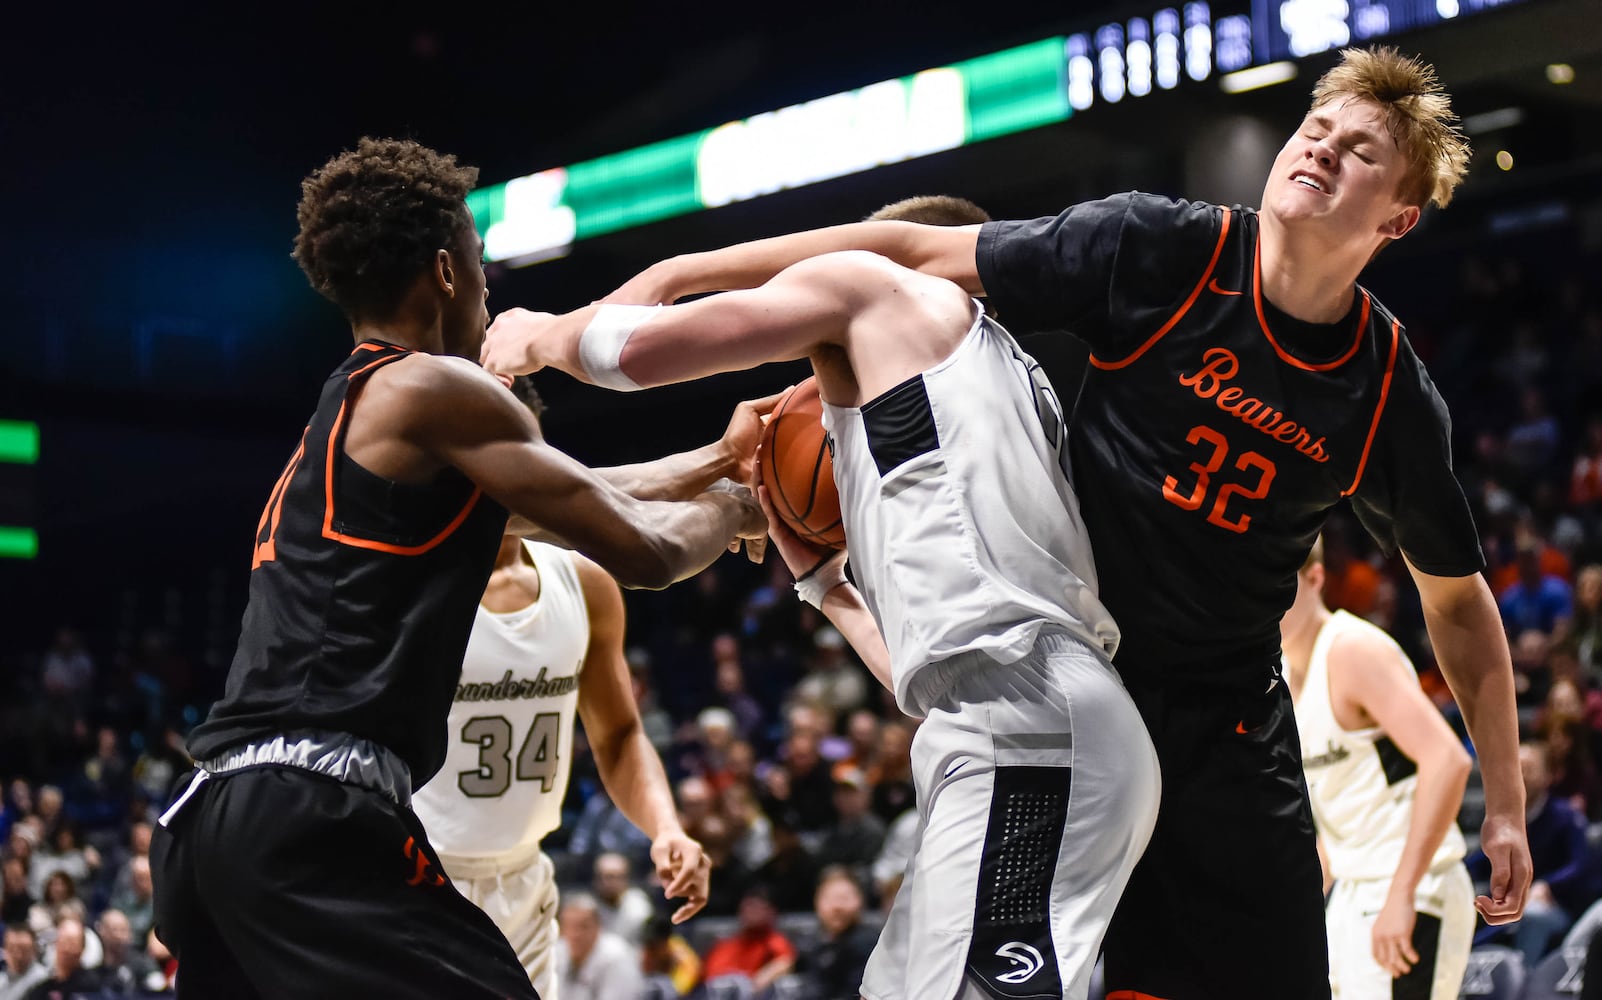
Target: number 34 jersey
{"points": [[511, 723], [1213, 433]]}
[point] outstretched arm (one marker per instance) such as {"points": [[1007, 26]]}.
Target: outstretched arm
{"points": [[629, 766], [1466, 630], [458, 413], [1368, 671], [945, 251], [637, 347]]}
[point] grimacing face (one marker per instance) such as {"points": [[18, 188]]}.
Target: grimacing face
{"points": [[1341, 172]]}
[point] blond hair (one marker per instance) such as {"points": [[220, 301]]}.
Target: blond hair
{"points": [[1315, 555], [932, 210], [1418, 115]]}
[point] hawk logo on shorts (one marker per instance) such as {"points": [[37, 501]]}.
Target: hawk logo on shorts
{"points": [[1025, 957]]}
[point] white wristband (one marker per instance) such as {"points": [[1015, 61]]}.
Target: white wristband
{"points": [[601, 344], [822, 578]]}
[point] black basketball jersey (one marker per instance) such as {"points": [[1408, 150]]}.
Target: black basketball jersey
{"points": [[1213, 433], [362, 595]]}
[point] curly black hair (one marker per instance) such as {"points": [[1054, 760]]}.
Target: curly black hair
{"points": [[372, 218]]}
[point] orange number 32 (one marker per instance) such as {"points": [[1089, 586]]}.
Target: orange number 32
{"points": [[1219, 452]]}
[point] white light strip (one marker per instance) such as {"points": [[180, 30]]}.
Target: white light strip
{"points": [[1490, 121], [1257, 76]]}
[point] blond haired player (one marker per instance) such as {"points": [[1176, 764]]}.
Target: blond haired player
{"points": [[1385, 774], [1241, 384]]}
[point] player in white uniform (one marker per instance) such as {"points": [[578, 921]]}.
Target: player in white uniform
{"points": [[547, 644], [1386, 776], [1035, 777]]}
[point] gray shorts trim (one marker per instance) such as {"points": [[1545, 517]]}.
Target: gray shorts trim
{"points": [[341, 756]]}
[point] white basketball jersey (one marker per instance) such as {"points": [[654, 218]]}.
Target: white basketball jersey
{"points": [[511, 725], [959, 514], [1361, 785]]}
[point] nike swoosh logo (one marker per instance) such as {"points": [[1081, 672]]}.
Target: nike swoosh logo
{"points": [[1216, 289], [1240, 727], [954, 768]]}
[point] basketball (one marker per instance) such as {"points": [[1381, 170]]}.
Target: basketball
{"points": [[798, 469]]}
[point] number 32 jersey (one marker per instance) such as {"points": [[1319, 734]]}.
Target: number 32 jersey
{"points": [[511, 723], [1213, 433]]}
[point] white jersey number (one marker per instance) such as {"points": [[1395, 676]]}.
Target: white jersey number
{"points": [[493, 734]]}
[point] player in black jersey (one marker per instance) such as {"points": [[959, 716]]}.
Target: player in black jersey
{"points": [[291, 865], [1241, 384]]}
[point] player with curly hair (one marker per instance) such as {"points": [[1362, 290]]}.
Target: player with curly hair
{"points": [[291, 863]]}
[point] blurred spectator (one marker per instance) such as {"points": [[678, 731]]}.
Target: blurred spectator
{"points": [[791, 874], [893, 791], [159, 764], [708, 757], [1563, 885], [1585, 475], [670, 964], [751, 830], [1532, 442], [138, 846], [729, 683], [730, 878], [23, 968], [17, 804], [1569, 742], [864, 737], [741, 765], [68, 673], [818, 722], [857, 835], [697, 803], [64, 852], [832, 968], [800, 786], [57, 901], [833, 680], [602, 827], [137, 902], [591, 963], [622, 907], [890, 867], [48, 807], [124, 969], [1587, 628], [100, 790], [1353, 584], [67, 973], [17, 898], [657, 723], [756, 952], [1538, 601], [1526, 534], [164, 979]]}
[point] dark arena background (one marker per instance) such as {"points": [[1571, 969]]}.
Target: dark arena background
{"points": [[162, 351]]}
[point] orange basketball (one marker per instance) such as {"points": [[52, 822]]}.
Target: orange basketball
{"points": [[798, 469]]}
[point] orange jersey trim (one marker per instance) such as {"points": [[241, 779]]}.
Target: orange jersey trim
{"points": [[370, 543], [1385, 392], [1262, 321], [1132, 995], [1223, 234]]}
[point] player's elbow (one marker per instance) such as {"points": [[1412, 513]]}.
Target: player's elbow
{"points": [[1459, 764], [643, 566], [1453, 763]]}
